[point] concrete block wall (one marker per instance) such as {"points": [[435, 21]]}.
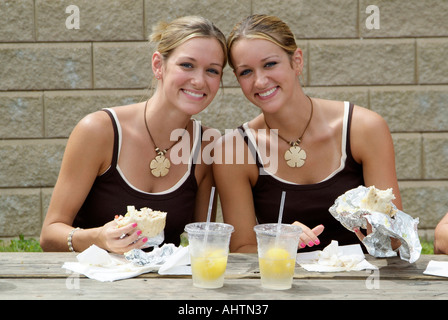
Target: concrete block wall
{"points": [[52, 74]]}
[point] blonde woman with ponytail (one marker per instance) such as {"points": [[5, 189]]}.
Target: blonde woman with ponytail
{"points": [[323, 148], [124, 156]]}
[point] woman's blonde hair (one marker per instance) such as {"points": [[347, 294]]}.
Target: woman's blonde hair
{"points": [[261, 26], [171, 35]]}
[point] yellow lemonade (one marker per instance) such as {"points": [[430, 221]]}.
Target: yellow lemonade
{"points": [[208, 269], [277, 269]]}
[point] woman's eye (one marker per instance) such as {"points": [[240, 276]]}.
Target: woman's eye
{"points": [[186, 65], [214, 71], [270, 64], [245, 72]]}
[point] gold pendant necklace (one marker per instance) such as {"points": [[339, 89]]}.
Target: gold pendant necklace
{"points": [[160, 165], [295, 156]]}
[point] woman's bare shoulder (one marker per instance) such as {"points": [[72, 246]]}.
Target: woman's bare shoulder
{"points": [[94, 129], [366, 120]]}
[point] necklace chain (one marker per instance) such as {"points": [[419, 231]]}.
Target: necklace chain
{"points": [[157, 149], [160, 164], [295, 156], [296, 142]]}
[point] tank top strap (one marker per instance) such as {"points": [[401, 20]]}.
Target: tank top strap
{"points": [[250, 145], [347, 138], [116, 150], [197, 136]]}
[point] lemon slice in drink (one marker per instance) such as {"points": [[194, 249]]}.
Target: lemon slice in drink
{"points": [[277, 261], [212, 265]]}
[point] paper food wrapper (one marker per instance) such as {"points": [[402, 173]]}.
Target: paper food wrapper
{"points": [[98, 264], [437, 268], [335, 258], [349, 209]]}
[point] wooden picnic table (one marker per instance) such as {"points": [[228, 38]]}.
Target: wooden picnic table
{"points": [[41, 276]]}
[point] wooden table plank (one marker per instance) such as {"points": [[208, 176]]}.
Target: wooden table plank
{"points": [[240, 266], [233, 289], [41, 276], [34, 264]]}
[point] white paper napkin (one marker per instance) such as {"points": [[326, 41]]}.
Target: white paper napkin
{"points": [[178, 263], [437, 268], [335, 258], [98, 264]]}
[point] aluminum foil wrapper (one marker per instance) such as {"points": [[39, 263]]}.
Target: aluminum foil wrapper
{"points": [[347, 210], [152, 242], [156, 257], [155, 241]]}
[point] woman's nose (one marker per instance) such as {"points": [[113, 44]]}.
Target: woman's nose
{"points": [[198, 80], [261, 80]]}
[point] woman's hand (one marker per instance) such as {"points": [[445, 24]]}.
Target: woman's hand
{"points": [[121, 240], [309, 236]]}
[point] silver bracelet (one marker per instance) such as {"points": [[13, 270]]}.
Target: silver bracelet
{"points": [[69, 239]]}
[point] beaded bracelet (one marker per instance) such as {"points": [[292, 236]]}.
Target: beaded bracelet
{"points": [[69, 239]]}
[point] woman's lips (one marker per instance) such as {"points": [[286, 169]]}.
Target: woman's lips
{"points": [[194, 94], [268, 93]]}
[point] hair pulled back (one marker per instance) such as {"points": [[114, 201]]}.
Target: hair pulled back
{"points": [[170, 35], [266, 27]]}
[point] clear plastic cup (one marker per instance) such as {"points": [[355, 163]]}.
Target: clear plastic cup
{"points": [[277, 254], [208, 252]]}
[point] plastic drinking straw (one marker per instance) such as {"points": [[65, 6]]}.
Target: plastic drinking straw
{"points": [[280, 215], [209, 214]]}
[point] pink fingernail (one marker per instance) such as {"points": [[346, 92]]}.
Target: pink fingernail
{"points": [[145, 239], [302, 245], [310, 243], [139, 232], [134, 225], [317, 242]]}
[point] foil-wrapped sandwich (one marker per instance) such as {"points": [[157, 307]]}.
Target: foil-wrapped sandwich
{"points": [[150, 222], [362, 205]]}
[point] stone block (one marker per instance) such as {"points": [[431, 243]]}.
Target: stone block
{"points": [[426, 200], [361, 62], [20, 212], [30, 163], [99, 20], [314, 19], [357, 95], [410, 18], [412, 108], [39, 66], [46, 194], [21, 115], [408, 155], [435, 155], [64, 109], [122, 65], [432, 56], [17, 20], [224, 14]]}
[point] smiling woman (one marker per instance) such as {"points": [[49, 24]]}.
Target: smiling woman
{"points": [[120, 156], [189, 78], [325, 147]]}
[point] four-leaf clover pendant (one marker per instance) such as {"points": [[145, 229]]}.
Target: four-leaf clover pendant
{"points": [[160, 166], [295, 156]]}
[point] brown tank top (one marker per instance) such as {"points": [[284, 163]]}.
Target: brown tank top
{"points": [[111, 193], [309, 203]]}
